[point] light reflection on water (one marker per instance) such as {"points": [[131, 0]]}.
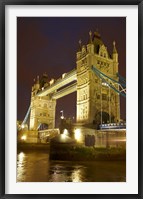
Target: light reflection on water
{"points": [[36, 167], [76, 176], [21, 166]]}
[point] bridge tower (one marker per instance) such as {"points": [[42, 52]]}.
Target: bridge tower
{"points": [[96, 102], [42, 107]]}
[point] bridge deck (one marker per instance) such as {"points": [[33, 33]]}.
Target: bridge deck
{"points": [[69, 77], [65, 91]]}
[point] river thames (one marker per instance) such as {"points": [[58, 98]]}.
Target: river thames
{"points": [[36, 167]]}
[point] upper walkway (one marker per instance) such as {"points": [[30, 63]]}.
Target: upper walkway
{"points": [[59, 83]]}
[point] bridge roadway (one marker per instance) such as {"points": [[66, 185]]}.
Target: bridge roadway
{"points": [[59, 83]]}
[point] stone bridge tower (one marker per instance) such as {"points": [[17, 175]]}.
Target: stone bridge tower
{"points": [[42, 107], [96, 102]]}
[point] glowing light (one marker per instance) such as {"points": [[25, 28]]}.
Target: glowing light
{"points": [[62, 116], [21, 157], [105, 84], [77, 135], [20, 166], [63, 136], [65, 132], [51, 81], [23, 137], [76, 176], [63, 75], [121, 140], [22, 126]]}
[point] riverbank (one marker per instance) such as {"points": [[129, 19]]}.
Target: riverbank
{"points": [[76, 152], [79, 153], [33, 146]]}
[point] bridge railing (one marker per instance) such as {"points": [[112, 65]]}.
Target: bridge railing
{"points": [[47, 133], [121, 125]]}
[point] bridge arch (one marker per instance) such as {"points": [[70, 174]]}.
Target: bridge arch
{"points": [[103, 117], [43, 126]]}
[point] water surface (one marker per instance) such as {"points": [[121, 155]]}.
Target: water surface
{"points": [[36, 167]]}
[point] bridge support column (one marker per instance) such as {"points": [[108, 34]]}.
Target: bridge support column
{"points": [[93, 93], [42, 112]]}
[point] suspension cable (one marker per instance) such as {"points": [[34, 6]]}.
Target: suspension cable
{"points": [[100, 75]]}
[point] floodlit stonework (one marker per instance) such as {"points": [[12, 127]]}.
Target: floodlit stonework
{"points": [[94, 96], [42, 109], [96, 102]]}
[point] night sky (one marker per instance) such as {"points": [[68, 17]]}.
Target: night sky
{"points": [[49, 44]]}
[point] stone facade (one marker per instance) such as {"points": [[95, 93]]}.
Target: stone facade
{"points": [[95, 100], [42, 109]]}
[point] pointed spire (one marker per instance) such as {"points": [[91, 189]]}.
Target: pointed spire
{"points": [[90, 37], [97, 34], [80, 47], [37, 79], [114, 47]]}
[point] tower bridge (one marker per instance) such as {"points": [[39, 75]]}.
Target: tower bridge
{"points": [[96, 81]]}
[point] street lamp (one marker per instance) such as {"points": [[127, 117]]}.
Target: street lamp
{"points": [[62, 116]]}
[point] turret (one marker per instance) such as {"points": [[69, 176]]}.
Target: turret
{"points": [[90, 45], [78, 54], [37, 85], [44, 80], [115, 54], [115, 58]]}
